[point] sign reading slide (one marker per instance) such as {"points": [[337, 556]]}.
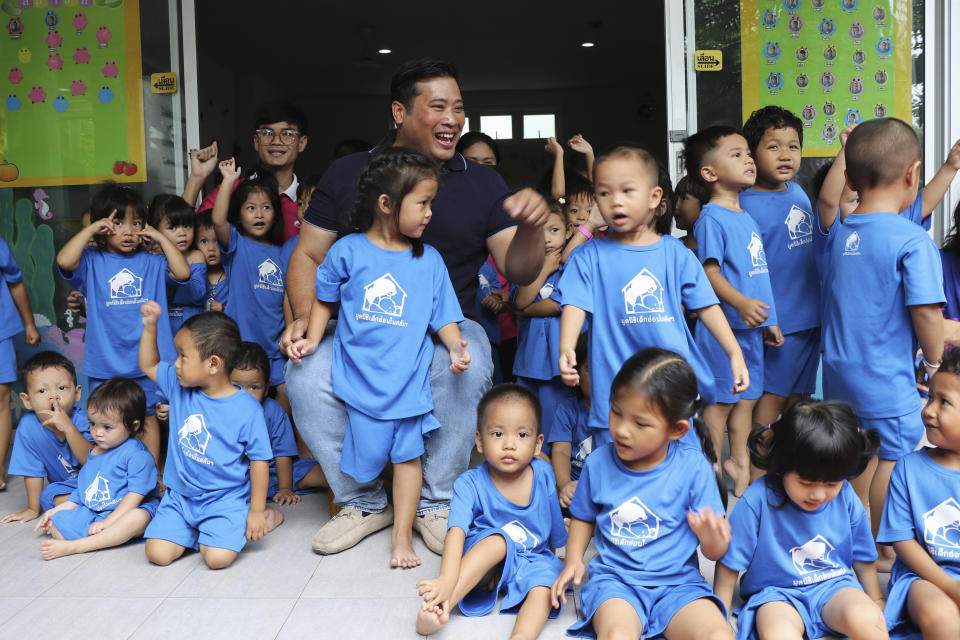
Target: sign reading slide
{"points": [[833, 63], [71, 109]]}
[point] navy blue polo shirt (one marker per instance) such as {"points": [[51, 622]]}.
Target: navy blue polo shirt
{"points": [[468, 209]]}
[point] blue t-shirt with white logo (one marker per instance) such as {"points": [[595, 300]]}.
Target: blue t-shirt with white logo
{"points": [[877, 266], [923, 504], [538, 341], [389, 300], [642, 535], [733, 240], [786, 227], [779, 544], [255, 273], [634, 298], [280, 430], [186, 299], [116, 286], [211, 440], [571, 425], [487, 283], [108, 477], [10, 322], [38, 453], [478, 506]]}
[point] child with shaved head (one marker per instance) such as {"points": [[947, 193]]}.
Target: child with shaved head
{"points": [[882, 296]]}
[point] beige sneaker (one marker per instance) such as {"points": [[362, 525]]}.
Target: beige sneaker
{"points": [[432, 527], [349, 527]]}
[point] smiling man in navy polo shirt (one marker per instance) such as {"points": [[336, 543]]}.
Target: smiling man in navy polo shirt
{"points": [[474, 214]]}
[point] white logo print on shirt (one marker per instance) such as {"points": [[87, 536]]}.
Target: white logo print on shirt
{"points": [[813, 555], [69, 468], [521, 535], [758, 257], [643, 294], [194, 437], [270, 276], [125, 284], [852, 246], [941, 525], [799, 227], [98, 491], [633, 524], [384, 295]]}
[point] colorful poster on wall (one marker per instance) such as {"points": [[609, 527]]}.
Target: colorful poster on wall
{"points": [[831, 62], [71, 109]]}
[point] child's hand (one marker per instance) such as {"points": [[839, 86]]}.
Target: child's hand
{"points": [[709, 527], [285, 496], [553, 147], [753, 311], [436, 592], [55, 417], [31, 336], [213, 305], [301, 349], [846, 134], [551, 262], [150, 236], [953, 158], [162, 411], [773, 336], [579, 144], [568, 368], [566, 493], [492, 303], [43, 523], [76, 302], [96, 527], [256, 525], [204, 161], [741, 375], [104, 226], [459, 357], [595, 220], [151, 311], [229, 170], [26, 515], [573, 570]]}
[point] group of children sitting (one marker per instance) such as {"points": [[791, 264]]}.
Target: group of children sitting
{"points": [[667, 344]]}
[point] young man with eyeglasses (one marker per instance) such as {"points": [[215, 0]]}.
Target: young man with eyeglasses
{"points": [[279, 136]]}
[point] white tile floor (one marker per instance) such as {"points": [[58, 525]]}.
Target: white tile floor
{"points": [[277, 588]]}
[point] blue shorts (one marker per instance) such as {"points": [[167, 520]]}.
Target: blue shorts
{"points": [[216, 519], [808, 601], [655, 606], [8, 361], [898, 618], [54, 489], [369, 443], [898, 436], [751, 343], [792, 367], [522, 572], [301, 467], [276, 370], [550, 393], [149, 388], [75, 523]]}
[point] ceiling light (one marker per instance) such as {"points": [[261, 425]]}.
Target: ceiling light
{"points": [[384, 51], [586, 44]]}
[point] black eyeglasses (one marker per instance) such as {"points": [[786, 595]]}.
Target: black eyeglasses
{"points": [[266, 135]]}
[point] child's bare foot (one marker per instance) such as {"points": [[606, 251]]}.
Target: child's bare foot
{"points": [[431, 619], [740, 477], [403, 555], [273, 519], [51, 549]]}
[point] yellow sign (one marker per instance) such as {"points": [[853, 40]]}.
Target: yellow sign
{"points": [[708, 60], [163, 82]]}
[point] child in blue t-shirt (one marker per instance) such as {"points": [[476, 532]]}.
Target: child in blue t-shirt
{"points": [[732, 252], [393, 291], [882, 294], [690, 199], [538, 343], [249, 228], [504, 518], [489, 305], [218, 450], [15, 316], [53, 436], [572, 438], [116, 278], [205, 241], [782, 211], [289, 473], [648, 502], [921, 519], [800, 532], [115, 496], [635, 285]]}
